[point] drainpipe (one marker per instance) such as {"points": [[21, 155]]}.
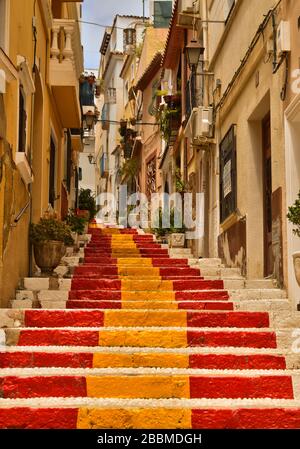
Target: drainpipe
{"points": [[205, 155], [206, 52], [30, 258]]}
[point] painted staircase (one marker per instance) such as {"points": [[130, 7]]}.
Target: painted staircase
{"points": [[130, 337]]}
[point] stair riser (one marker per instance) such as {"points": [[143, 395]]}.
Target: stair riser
{"points": [[43, 318], [141, 338], [113, 418], [159, 360], [148, 305], [148, 387], [102, 284]]}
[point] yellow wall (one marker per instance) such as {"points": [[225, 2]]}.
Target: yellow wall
{"points": [[14, 194]]}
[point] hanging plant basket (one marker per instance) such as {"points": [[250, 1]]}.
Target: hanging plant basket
{"points": [[127, 151]]}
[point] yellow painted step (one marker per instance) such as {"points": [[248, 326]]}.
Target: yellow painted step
{"points": [[136, 360], [138, 271], [124, 318], [144, 387], [132, 261], [134, 418], [147, 286], [148, 305], [148, 296], [143, 338]]}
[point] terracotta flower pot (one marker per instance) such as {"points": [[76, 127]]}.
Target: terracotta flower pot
{"points": [[48, 255], [177, 240], [296, 259]]}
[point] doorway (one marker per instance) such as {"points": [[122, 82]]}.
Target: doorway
{"points": [[267, 195]]}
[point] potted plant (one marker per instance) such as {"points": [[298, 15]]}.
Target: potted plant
{"points": [[49, 238], [161, 232], [77, 225], [87, 203], [177, 233], [294, 217]]}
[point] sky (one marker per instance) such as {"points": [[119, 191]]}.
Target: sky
{"points": [[103, 13]]}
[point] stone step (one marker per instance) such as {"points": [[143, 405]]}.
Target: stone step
{"points": [[147, 318], [160, 337], [14, 357], [91, 413], [149, 383]]}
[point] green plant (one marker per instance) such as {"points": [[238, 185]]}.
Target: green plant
{"points": [[294, 216], [181, 186], [166, 117], [130, 169], [51, 229], [162, 231], [87, 202], [77, 224]]}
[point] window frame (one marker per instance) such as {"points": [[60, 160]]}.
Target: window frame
{"points": [[228, 152]]}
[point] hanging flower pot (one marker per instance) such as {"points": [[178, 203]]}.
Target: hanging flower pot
{"points": [[127, 151]]}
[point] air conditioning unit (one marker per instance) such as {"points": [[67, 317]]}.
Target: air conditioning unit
{"points": [[283, 37], [203, 122], [187, 12]]}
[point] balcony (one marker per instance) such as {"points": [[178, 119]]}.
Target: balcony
{"points": [[188, 13], [77, 139], [66, 65]]}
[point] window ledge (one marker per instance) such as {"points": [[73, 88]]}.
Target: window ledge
{"points": [[230, 221], [7, 69]]}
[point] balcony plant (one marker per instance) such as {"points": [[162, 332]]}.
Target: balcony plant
{"points": [[87, 203], [49, 238], [169, 122], [294, 218]]}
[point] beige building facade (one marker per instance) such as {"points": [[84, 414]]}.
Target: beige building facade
{"points": [[40, 64]]}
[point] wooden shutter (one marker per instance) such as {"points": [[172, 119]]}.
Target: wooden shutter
{"points": [[228, 175], [22, 122]]}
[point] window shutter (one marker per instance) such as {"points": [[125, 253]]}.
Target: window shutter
{"points": [[228, 175]]}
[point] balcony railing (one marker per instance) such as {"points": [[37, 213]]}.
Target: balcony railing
{"points": [[66, 44], [66, 66]]}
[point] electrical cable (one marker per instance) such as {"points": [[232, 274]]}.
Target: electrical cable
{"points": [[254, 41]]}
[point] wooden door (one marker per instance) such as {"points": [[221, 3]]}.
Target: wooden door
{"points": [[267, 192]]}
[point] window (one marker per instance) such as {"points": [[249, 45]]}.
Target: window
{"points": [[228, 7], [22, 121], [162, 13], [228, 181]]}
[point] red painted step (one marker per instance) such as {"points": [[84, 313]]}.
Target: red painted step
{"points": [[47, 386], [195, 338], [85, 360], [38, 418], [46, 359], [86, 318], [211, 418], [249, 418], [95, 304], [107, 284], [63, 318], [203, 295], [209, 387], [114, 295]]}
